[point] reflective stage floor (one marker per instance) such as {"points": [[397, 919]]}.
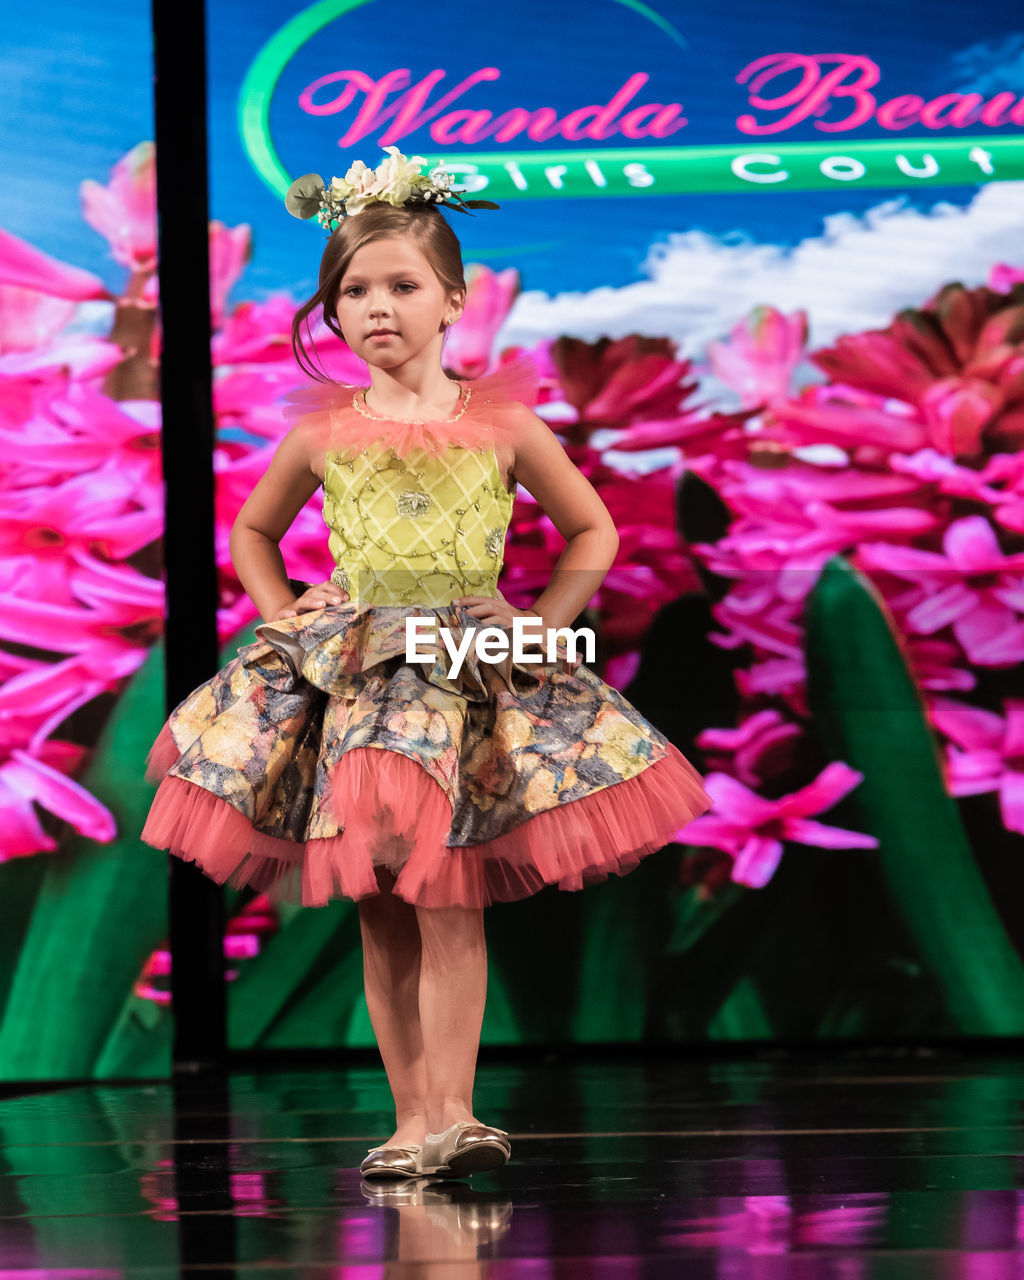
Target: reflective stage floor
{"points": [[848, 1167]]}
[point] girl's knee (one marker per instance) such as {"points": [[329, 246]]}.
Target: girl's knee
{"points": [[451, 927]]}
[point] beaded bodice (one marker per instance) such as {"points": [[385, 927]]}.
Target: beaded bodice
{"points": [[418, 528], [417, 508]]}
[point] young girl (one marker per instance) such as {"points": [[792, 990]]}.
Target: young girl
{"points": [[323, 762]]}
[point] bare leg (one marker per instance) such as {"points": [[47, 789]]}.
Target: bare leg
{"points": [[453, 990], [391, 976]]}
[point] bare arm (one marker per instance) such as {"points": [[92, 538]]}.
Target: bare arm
{"points": [[575, 509], [264, 519]]}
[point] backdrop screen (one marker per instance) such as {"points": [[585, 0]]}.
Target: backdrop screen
{"points": [[769, 269], [83, 906]]}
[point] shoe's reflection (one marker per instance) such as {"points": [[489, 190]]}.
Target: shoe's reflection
{"points": [[440, 1221]]}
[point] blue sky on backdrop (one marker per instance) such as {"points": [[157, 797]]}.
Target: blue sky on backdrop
{"points": [[77, 86]]}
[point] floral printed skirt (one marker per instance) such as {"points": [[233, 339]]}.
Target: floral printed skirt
{"points": [[320, 754]]}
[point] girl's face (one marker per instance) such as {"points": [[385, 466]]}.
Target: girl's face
{"points": [[391, 306]]}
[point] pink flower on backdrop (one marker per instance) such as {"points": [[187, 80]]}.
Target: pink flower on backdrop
{"points": [[236, 469], [924, 421], [651, 567], [934, 468], [29, 319], [759, 356], [81, 431], [784, 678], [793, 546], [757, 613], [34, 775], [999, 484], [955, 361], [230, 250], [938, 664], [704, 438], [970, 586], [27, 780], [957, 410], [81, 494], [623, 381], [101, 513], [34, 703], [30, 381], [752, 829], [985, 753], [256, 332], [115, 609], [1003, 277], [868, 425], [124, 211], [785, 532], [489, 297], [759, 748], [759, 490], [900, 362], [241, 392], [26, 267], [634, 391]]}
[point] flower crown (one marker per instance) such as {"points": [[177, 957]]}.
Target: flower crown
{"points": [[397, 180]]}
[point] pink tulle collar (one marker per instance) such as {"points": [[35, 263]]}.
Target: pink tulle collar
{"points": [[327, 415]]}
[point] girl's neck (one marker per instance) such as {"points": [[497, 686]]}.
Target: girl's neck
{"points": [[359, 403], [412, 393]]}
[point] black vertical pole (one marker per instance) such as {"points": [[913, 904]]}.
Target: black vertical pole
{"points": [[196, 903]]}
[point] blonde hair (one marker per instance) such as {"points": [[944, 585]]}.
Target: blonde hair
{"points": [[423, 223]]}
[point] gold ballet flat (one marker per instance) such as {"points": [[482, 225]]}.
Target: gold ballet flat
{"points": [[465, 1147], [392, 1162]]}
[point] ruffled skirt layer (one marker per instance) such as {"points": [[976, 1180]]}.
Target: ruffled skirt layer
{"points": [[320, 756]]}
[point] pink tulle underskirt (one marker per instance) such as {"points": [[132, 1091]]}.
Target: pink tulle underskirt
{"points": [[398, 818]]}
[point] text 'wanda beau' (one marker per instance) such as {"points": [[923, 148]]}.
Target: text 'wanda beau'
{"points": [[835, 92]]}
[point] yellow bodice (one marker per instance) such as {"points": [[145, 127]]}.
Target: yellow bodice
{"points": [[419, 529]]}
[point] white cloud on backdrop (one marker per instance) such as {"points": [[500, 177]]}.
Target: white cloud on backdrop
{"points": [[854, 276]]}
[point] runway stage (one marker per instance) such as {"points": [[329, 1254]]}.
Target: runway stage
{"points": [[846, 1165]]}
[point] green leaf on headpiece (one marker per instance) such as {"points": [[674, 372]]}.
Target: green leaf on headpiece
{"points": [[455, 201], [304, 196]]}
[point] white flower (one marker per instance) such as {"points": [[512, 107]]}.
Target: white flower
{"points": [[399, 166], [362, 180], [440, 177], [355, 204], [358, 187], [396, 174], [397, 180]]}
